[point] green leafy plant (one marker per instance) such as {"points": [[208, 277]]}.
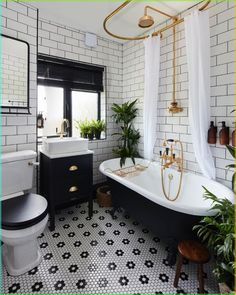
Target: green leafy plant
{"points": [[83, 126], [218, 233], [232, 151], [124, 115], [98, 127], [90, 130]]}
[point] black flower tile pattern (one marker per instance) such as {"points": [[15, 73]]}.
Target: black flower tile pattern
{"points": [[14, 288], [101, 255], [33, 271], [37, 287], [59, 285]]}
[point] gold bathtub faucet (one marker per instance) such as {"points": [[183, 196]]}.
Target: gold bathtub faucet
{"points": [[168, 158]]}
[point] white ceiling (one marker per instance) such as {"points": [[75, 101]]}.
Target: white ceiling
{"points": [[89, 16]]}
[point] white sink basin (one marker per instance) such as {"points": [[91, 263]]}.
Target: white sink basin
{"points": [[65, 145]]}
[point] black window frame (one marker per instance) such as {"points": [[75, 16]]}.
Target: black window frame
{"points": [[69, 86]]}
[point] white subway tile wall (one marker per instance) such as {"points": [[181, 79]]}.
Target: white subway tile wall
{"points": [[222, 32], [125, 80], [19, 132]]}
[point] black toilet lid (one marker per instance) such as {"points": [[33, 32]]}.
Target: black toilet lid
{"points": [[23, 211]]}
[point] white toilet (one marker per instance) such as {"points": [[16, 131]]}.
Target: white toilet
{"points": [[24, 215]]}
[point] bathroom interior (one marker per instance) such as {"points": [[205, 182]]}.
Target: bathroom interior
{"points": [[118, 147]]}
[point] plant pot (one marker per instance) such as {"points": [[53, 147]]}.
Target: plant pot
{"points": [[98, 134], [224, 288], [83, 135], [90, 136], [104, 196]]}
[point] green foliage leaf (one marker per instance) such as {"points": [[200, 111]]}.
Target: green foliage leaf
{"points": [[124, 115], [232, 150], [218, 233]]}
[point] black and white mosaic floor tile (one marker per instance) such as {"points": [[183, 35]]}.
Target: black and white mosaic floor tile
{"points": [[102, 255]]}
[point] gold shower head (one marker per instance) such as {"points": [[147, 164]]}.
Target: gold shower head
{"points": [[145, 21]]}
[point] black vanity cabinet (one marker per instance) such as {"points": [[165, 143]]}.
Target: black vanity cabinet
{"points": [[66, 180]]}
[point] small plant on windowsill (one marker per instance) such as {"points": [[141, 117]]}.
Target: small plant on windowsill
{"points": [[124, 115], [98, 127], [83, 126], [90, 131]]}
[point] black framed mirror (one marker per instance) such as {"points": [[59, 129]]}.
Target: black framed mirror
{"points": [[15, 75]]}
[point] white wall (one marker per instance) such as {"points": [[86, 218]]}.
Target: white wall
{"points": [[19, 20], [222, 85], [19, 131], [125, 77]]}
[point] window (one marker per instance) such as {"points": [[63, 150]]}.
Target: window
{"points": [[48, 98], [68, 90], [85, 105]]}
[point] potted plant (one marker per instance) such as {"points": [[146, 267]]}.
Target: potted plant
{"points": [[124, 115], [98, 127], [83, 126], [218, 233], [232, 151], [90, 130]]}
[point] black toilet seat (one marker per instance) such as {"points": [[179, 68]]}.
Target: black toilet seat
{"points": [[23, 211]]}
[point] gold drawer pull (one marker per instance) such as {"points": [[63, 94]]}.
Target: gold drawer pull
{"points": [[73, 189], [73, 168]]}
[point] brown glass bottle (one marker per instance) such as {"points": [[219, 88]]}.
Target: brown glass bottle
{"points": [[224, 134], [211, 137]]}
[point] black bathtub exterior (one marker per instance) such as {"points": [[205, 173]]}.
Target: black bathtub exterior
{"points": [[169, 225]]}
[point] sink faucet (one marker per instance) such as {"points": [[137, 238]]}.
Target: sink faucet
{"points": [[63, 129]]}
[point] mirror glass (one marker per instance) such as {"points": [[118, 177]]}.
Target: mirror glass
{"points": [[15, 73]]}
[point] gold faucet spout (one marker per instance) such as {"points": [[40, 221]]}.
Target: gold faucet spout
{"points": [[63, 128]]}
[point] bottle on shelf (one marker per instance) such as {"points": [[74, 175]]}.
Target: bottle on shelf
{"points": [[212, 131], [224, 134]]}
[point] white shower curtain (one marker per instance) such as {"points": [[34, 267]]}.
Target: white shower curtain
{"points": [[197, 35], [151, 84]]}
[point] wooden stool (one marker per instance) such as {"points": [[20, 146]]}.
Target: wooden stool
{"points": [[195, 252]]}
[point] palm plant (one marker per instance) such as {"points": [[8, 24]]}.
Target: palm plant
{"points": [[218, 233], [124, 114], [232, 151]]}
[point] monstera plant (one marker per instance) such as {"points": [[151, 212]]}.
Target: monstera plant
{"points": [[124, 115]]}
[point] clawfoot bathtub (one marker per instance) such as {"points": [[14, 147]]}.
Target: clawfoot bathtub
{"points": [[140, 193]]}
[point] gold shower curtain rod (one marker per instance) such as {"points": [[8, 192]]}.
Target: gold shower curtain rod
{"points": [[176, 21]]}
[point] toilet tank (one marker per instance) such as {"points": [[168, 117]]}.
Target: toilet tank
{"points": [[17, 173]]}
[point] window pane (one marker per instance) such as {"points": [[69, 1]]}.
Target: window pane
{"points": [[84, 106], [50, 104]]}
